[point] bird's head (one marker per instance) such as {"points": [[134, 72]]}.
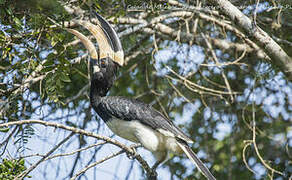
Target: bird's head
{"points": [[104, 78], [110, 56]]}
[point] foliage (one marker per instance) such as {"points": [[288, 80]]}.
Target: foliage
{"points": [[9, 169], [174, 73]]}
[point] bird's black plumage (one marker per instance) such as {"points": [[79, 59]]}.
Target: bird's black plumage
{"points": [[103, 80], [131, 109], [126, 117], [127, 110]]}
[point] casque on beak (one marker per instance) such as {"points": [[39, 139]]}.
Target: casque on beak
{"points": [[108, 41]]}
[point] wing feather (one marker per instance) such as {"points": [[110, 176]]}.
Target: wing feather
{"points": [[131, 109]]}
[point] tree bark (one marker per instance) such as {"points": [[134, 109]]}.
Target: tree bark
{"points": [[278, 56]]}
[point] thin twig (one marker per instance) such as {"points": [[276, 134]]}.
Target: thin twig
{"points": [[26, 172], [144, 164], [96, 163], [222, 70], [76, 151], [255, 144], [199, 86], [247, 144]]}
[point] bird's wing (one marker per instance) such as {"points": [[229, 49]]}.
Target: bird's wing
{"points": [[131, 109]]}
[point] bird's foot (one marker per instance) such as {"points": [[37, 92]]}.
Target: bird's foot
{"points": [[133, 154], [152, 175]]}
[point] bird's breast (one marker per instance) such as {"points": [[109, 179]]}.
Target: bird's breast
{"points": [[123, 129], [138, 133]]}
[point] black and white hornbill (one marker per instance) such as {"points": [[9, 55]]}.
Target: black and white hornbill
{"points": [[129, 118]]}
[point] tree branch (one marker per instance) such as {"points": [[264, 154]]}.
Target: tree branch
{"points": [[277, 54], [26, 172], [150, 173]]}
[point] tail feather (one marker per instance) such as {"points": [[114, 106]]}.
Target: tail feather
{"points": [[194, 158]]}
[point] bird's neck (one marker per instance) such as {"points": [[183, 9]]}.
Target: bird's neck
{"points": [[97, 91]]}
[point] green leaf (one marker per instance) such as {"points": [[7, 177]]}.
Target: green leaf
{"points": [[48, 62], [64, 77], [21, 162], [4, 129], [8, 10], [47, 69], [17, 21], [8, 163]]}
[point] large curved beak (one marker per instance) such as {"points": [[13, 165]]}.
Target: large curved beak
{"points": [[86, 42], [106, 37], [113, 38]]}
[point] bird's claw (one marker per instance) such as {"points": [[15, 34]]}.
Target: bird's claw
{"points": [[133, 154], [153, 174]]}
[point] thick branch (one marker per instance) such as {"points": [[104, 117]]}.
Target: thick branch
{"points": [[277, 54], [225, 45]]}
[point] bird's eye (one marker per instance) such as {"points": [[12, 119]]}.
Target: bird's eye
{"points": [[103, 63]]}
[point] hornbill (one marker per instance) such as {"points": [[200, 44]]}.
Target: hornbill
{"points": [[129, 118]]}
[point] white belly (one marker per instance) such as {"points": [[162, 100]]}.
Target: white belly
{"points": [[138, 133]]}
